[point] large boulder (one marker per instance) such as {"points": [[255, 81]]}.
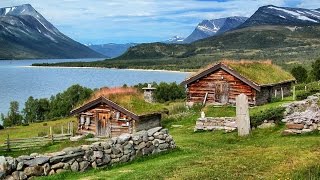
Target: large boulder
{"points": [[34, 171], [37, 161], [153, 130]]}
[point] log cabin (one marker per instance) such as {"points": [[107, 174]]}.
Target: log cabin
{"points": [[221, 83], [112, 112]]}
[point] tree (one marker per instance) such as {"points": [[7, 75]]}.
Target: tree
{"points": [[30, 110], [14, 117], [63, 103], [316, 69], [169, 92], [300, 73]]}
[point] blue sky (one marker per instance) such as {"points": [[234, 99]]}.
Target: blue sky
{"points": [[122, 21]]}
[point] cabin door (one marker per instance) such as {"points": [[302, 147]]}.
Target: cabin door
{"points": [[222, 92], [103, 126]]}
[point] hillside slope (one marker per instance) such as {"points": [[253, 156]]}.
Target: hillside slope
{"points": [[25, 34]]}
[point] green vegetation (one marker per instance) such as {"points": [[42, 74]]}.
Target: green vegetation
{"points": [[284, 46], [262, 73], [264, 154], [38, 110], [275, 114], [316, 69], [305, 90], [300, 73]]}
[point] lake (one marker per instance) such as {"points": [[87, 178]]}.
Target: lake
{"points": [[18, 80]]}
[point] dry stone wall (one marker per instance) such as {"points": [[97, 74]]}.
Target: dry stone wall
{"points": [[116, 150], [302, 116], [227, 124]]}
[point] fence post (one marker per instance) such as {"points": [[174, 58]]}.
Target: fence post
{"points": [[51, 134], [275, 93], [281, 93], [72, 128], [62, 129], [305, 88], [8, 143], [68, 127], [294, 93]]}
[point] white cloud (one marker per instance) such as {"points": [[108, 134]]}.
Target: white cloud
{"points": [[102, 21]]}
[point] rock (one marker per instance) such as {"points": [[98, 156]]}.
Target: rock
{"points": [[94, 165], [97, 154], [151, 138], [106, 159], [65, 157], [58, 165], [116, 160], [115, 150], [52, 172], [123, 138], [3, 164], [20, 166], [71, 150], [108, 151], [9, 178], [306, 131], [155, 143], [163, 146], [34, 171], [86, 147], [242, 115], [58, 171], [93, 139], [46, 169], [75, 166], [294, 126], [66, 166], [153, 130], [84, 165], [34, 154], [37, 161], [266, 125], [105, 145], [141, 145], [61, 153], [124, 158], [164, 131], [2, 175], [77, 138]]}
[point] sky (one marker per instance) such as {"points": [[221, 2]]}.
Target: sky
{"points": [[138, 21]]}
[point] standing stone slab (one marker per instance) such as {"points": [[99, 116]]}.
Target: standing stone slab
{"points": [[243, 118]]}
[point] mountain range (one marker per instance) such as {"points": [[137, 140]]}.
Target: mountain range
{"points": [[111, 50], [26, 34], [208, 28]]}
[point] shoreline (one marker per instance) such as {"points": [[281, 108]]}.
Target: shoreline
{"points": [[130, 69]]}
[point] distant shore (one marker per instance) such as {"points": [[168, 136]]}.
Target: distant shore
{"points": [[130, 69]]}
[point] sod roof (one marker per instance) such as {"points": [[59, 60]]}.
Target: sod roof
{"points": [[260, 73], [128, 99]]}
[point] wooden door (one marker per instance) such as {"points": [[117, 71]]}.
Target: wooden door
{"points": [[102, 125], [222, 92]]}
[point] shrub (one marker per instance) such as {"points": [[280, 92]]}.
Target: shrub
{"points": [[169, 92], [45, 124], [89, 136], [300, 73], [275, 114], [25, 124], [1, 127]]}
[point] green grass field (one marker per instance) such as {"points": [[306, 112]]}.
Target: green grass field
{"points": [[264, 154]]}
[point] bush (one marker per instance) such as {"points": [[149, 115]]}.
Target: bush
{"points": [[275, 114], [25, 124], [169, 92], [300, 73], [89, 136], [1, 127], [45, 124]]}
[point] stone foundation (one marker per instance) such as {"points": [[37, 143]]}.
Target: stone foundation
{"points": [[227, 124], [116, 150], [302, 116]]}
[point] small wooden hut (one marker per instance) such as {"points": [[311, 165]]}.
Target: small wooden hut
{"points": [[221, 83], [111, 112]]}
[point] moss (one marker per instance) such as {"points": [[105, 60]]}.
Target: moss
{"points": [[261, 73]]}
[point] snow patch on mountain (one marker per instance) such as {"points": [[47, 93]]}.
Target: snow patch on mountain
{"points": [[297, 14]]}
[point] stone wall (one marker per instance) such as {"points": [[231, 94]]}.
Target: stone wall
{"points": [[302, 116], [116, 150], [227, 124]]}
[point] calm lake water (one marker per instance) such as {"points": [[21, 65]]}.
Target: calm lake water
{"points": [[18, 80]]}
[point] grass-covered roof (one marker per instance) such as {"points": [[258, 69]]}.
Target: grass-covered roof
{"points": [[128, 98], [259, 72]]}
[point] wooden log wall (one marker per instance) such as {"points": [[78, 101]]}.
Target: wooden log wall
{"points": [[108, 120], [198, 89]]}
